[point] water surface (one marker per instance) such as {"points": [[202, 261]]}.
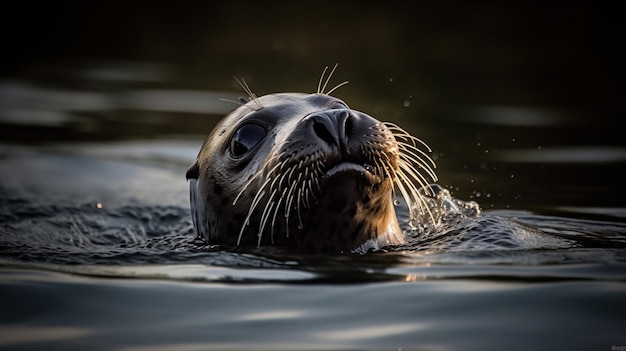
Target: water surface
{"points": [[98, 252]]}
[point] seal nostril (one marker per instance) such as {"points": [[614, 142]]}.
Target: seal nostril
{"points": [[348, 125], [323, 133], [333, 127]]}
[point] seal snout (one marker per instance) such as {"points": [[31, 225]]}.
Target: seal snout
{"points": [[332, 126], [342, 135]]}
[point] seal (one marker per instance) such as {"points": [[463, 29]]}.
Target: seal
{"points": [[306, 171]]}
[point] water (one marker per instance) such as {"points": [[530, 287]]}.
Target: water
{"points": [[98, 252], [97, 249]]}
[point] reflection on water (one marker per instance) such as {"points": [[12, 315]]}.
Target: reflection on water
{"points": [[25, 334], [37, 114], [573, 154], [521, 116]]}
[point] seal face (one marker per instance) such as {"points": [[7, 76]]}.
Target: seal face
{"points": [[307, 171]]}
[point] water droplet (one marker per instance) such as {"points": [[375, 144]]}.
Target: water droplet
{"points": [[396, 202], [300, 226]]}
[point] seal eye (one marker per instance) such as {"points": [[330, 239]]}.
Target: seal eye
{"points": [[245, 138]]}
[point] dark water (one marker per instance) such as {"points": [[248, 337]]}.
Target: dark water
{"points": [[520, 106]]}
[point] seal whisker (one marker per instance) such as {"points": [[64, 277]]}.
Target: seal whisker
{"points": [[385, 167], [265, 215], [403, 190], [288, 203], [407, 175], [383, 163], [290, 196], [243, 189], [232, 101], [316, 179], [248, 91], [415, 198], [409, 170], [305, 186], [306, 203], [282, 178], [398, 132], [310, 192], [419, 157], [411, 156], [253, 205], [336, 87], [239, 103], [280, 199], [319, 84], [252, 179], [299, 200], [408, 138], [387, 162], [408, 165], [321, 90], [275, 179], [399, 171], [278, 179], [246, 222]]}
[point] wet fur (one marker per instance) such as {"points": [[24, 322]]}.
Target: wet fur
{"points": [[280, 194]]}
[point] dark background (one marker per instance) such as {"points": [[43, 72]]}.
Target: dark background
{"points": [[431, 67], [559, 53]]}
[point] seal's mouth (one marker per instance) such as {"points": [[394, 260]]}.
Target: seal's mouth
{"points": [[360, 170]]}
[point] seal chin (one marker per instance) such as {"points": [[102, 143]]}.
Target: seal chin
{"points": [[349, 167]]}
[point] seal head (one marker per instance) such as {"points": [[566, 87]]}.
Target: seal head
{"points": [[304, 170]]}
